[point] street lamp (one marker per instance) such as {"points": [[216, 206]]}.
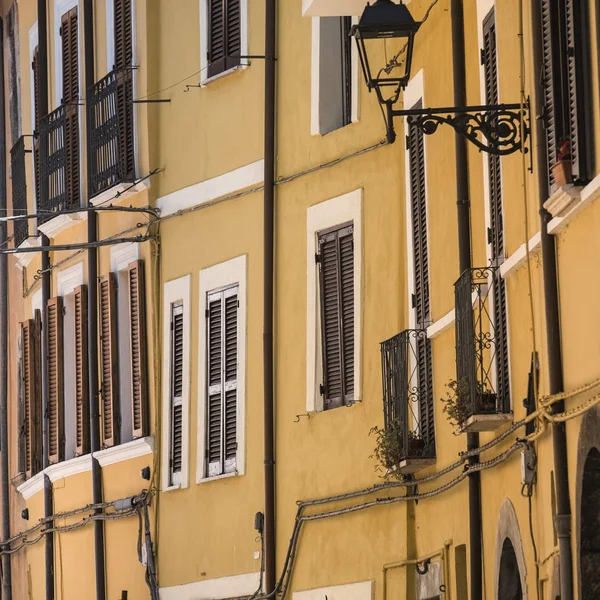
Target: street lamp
{"points": [[499, 129]]}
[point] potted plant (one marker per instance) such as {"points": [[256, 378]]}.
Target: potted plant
{"points": [[561, 169], [458, 405]]}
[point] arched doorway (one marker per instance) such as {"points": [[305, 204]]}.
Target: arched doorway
{"points": [[509, 581], [590, 527]]}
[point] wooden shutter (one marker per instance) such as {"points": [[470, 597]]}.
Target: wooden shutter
{"points": [[139, 363], [55, 380], [346, 40], [224, 35], [336, 277], [421, 298], [109, 360], [222, 353], [28, 386], [123, 34], [70, 78], [35, 66], [578, 71], [37, 443], [176, 426], [496, 232], [82, 419]]}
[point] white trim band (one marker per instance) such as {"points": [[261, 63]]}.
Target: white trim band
{"points": [[213, 589]]}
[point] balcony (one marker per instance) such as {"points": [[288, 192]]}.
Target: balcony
{"points": [[110, 140], [59, 162], [482, 378], [19, 190], [408, 399]]}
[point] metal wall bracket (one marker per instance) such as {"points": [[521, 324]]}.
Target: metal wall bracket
{"points": [[499, 129]]}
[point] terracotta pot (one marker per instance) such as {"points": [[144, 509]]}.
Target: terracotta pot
{"points": [[561, 171]]}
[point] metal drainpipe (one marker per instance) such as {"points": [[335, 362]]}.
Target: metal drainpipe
{"points": [[94, 397], [48, 508], [464, 252], [6, 566], [269, 210], [562, 521]]}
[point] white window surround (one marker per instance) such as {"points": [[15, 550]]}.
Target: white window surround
{"points": [[69, 279], [315, 74], [174, 291], [363, 590], [36, 302], [81, 464], [324, 215], [122, 255], [221, 275], [333, 8], [213, 589], [204, 80], [211, 189]]}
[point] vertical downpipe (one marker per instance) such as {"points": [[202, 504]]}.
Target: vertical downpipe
{"points": [[562, 520], [4, 442], [464, 251], [269, 209], [48, 508], [94, 387]]}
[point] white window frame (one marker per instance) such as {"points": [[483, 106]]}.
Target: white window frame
{"points": [[67, 281], [60, 8], [121, 256], [204, 79], [315, 74], [222, 275], [110, 62], [177, 290], [337, 211]]}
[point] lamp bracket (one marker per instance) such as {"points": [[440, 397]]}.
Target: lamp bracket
{"points": [[499, 129]]}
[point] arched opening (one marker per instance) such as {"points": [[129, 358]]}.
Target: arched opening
{"points": [[590, 528], [509, 582]]}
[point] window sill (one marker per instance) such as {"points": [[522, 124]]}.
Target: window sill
{"points": [[119, 192], [24, 258], [584, 197], [61, 223], [209, 80], [218, 477], [173, 488]]}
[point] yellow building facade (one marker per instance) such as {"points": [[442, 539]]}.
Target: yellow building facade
{"points": [[258, 347]]}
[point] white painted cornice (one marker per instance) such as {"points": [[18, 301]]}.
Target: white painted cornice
{"points": [[127, 451], [74, 466], [32, 486]]}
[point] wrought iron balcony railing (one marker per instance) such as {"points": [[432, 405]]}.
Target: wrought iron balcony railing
{"points": [[59, 162], [19, 190], [110, 139], [481, 342], [408, 392]]}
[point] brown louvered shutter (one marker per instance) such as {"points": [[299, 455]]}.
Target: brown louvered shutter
{"points": [[37, 443], [82, 419], [224, 35], [496, 231], [336, 277], [109, 360], [222, 333], [576, 31], [421, 298], [176, 426], [139, 364], [123, 28], [28, 387], [70, 78], [554, 64], [35, 66], [55, 381]]}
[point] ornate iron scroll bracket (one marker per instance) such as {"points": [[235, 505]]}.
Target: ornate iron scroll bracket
{"points": [[500, 129]]}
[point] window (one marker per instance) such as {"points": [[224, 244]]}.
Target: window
{"points": [[222, 381], [334, 76], [124, 375], [176, 383], [222, 370], [333, 364], [566, 80], [420, 299], [14, 80], [495, 231], [223, 36], [30, 438], [335, 259]]}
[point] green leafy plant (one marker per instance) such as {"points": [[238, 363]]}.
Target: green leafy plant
{"points": [[458, 405], [389, 448]]}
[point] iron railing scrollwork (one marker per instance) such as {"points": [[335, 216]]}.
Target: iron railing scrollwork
{"points": [[19, 190], [408, 393], [480, 342], [110, 122], [59, 161]]}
